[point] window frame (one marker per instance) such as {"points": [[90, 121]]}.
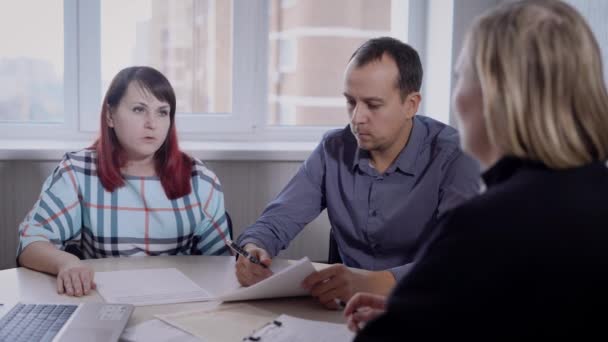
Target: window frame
{"points": [[68, 129], [246, 122]]}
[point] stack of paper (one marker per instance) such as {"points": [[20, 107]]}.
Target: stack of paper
{"points": [[169, 285], [286, 282], [149, 287]]}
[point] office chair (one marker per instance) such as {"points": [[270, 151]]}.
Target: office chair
{"points": [[229, 223], [74, 249], [334, 255]]}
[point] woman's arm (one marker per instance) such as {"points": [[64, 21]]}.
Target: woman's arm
{"points": [[55, 219], [73, 277]]}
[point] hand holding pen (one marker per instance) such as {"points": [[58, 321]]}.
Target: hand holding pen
{"points": [[242, 252], [253, 263]]}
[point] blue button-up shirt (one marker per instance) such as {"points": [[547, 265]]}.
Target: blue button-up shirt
{"points": [[379, 220]]}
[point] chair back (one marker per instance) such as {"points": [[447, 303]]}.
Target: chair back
{"points": [[334, 254]]}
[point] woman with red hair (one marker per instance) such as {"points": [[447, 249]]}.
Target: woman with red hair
{"points": [[133, 192]]}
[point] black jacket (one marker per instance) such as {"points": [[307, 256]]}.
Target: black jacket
{"points": [[526, 259]]}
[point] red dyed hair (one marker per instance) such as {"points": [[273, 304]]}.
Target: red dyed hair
{"points": [[172, 165]]}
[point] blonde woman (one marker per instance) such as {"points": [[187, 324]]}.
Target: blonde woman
{"points": [[529, 257]]}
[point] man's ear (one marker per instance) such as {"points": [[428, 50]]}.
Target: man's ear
{"points": [[109, 119], [411, 103]]}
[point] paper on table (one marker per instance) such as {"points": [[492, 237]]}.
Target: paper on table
{"points": [[149, 287], [283, 283], [156, 331], [293, 329], [227, 323]]}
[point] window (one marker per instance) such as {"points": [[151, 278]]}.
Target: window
{"points": [[189, 41], [207, 56], [31, 66], [321, 36], [242, 69]]}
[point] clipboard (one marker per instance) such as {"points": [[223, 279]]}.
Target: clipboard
{"points": [[287, 328]]}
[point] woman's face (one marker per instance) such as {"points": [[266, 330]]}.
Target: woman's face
{"points": [[141, 122], [467, 100]]}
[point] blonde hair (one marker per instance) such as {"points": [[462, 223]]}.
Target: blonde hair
{"points": [[540, 71]]}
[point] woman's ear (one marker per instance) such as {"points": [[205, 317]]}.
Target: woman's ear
{"points": [[109, 119]]}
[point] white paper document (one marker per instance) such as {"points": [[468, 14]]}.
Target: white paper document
{"points": [[286, 282], [227, 323], [156, 331], [149, 287], [287, 328]]}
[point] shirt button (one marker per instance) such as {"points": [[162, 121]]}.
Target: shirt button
{"points": [[373, 213]]}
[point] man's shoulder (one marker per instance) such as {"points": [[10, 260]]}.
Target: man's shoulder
{"points": [[440, 139], [337, 135], [338, 139], [439, 132]]}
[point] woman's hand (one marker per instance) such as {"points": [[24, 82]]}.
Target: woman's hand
{"points": [[75, 279], [362, 308]]}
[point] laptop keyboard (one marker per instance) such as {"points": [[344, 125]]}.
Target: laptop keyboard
{"points": [[34, 322]]}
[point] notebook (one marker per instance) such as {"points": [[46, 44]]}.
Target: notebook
{"points": [[63, 322]]}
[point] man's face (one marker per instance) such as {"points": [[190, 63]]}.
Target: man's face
{"points": [[378, 115]]}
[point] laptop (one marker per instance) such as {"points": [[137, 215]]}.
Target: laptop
{"points": [[99, 322]]}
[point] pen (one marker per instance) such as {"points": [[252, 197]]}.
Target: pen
{"points": [[244, 253]]}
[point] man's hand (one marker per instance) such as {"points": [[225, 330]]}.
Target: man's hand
{"points": [[338, 283], [75, 279], [249, 273], [362, 308]]}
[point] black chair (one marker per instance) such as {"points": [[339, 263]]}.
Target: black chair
{"points": [[334, 254], [74, 250], [229, 223]]}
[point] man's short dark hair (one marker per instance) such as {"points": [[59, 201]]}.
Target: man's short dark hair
{"points": [[406, 58]]}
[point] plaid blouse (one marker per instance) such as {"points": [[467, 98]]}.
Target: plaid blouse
{"points": [[135, 219]]}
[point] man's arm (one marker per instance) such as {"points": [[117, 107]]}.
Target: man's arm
{"points": [[300, 202]]}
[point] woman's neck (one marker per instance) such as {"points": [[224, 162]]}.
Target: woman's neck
{"points": [[140, 168]]}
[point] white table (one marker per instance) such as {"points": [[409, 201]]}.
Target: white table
{"points": [[210, 272]]}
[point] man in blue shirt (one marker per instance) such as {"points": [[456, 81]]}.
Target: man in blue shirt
{"points": [[384, 181]]}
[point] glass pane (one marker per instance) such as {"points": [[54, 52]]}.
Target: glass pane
{"points": [[31, 61], [189, 41], [310, 44]]}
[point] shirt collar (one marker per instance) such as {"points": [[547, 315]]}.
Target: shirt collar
{"points": [[406, 159]]}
